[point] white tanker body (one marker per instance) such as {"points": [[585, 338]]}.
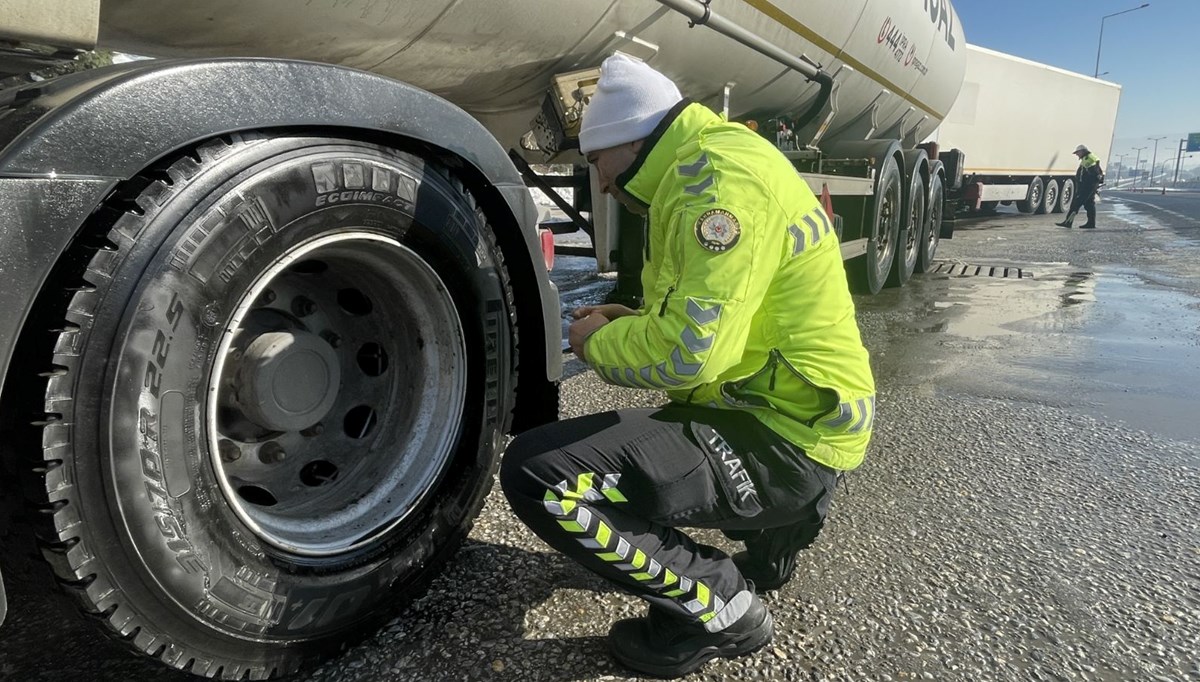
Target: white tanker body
{"points": [[903, 58], [285, 294]]}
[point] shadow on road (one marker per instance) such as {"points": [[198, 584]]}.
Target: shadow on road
{"points": [[45, 639], [491, 616]]}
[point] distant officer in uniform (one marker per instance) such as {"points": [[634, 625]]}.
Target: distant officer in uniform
{"points": [[1088, 179], [749, 328]]}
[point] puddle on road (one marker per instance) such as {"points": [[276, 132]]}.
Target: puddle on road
{"points": [[1179, 219], [1108, 343]]}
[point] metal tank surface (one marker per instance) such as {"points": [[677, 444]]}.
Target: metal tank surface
{"points": [[898, 64]]}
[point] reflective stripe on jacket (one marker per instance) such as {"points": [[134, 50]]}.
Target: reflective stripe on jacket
{"points": [[746, 301]]}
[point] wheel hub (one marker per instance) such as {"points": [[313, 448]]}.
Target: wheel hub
{"points": [[288, 380], [338, 393]]}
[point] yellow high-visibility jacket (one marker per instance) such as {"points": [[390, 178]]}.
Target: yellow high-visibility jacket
{"points": [[746, 301], [1089, 176]]}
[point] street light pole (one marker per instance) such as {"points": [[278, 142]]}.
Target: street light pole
{"points": [[1101, 44], [1121, 167], [1154, 159], [1137, 166]]}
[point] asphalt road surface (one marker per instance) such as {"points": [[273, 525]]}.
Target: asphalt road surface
{"points": [[1174, 209], [1028, 509]]}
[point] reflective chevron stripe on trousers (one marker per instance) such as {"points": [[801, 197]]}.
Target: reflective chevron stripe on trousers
{"points": [[610, 490]]}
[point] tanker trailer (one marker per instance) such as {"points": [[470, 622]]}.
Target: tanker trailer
{"points": [[275, 298]]}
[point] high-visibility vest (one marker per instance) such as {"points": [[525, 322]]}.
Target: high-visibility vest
{"points": [[746, 301]]}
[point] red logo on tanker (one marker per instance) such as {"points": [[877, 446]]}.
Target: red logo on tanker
{"points": [[899, 46]]}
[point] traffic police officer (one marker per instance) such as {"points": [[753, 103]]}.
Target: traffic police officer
{"points": [[749, 328], [1088, 179]]}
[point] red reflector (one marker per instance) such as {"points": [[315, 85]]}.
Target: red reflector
{"points": [[547, 239]]}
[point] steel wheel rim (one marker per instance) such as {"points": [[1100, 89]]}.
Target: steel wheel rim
{"points": [[935, 224], [913, 239], [1051, 197], [889, 222], [387, 434]]}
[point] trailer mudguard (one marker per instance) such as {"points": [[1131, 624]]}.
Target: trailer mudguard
{"points": [[66, 143]]}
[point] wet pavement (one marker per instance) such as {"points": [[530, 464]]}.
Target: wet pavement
{"points": [[1027, 511], [1176, 208]]}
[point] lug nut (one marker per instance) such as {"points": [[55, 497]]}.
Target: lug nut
{"points": [[268, 297], [332, 339], [229, 451], [271, 453], [303, 307], [314, 430]]}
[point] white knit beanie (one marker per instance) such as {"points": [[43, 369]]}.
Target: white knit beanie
{"points": [[629, 102]]}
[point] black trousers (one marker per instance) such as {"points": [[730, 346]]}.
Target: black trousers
{"points": [[1086, 200], [611, 490]]}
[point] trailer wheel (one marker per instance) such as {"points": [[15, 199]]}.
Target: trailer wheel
{"points": [[275, 403], [1066, 194], [869, 273], [1050, 204], [932, 231], [1032, 203], [911, 233]]}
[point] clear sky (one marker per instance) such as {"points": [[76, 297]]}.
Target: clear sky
{"points": [[1154, 53]]}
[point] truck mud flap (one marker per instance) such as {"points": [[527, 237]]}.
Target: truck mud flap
{"points": [[947, 229]]}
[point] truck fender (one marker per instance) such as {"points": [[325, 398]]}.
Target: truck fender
{"points": [[66, 143], [936, 167], [917, 161]]}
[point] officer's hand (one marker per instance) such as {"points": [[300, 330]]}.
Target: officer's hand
{"points": [[610, 310], [581, 329]]}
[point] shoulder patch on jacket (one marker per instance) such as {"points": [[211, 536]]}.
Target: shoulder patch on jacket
{"points": [[718, 230]]}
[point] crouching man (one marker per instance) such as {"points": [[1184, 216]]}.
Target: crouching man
{"points": [[749, 327]]}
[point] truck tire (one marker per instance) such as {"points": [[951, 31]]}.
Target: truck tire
{"points": [[1066, 194], [869, 273], [1034, 198], [275, 401], [911, 232], [931, 235], [1050, 203]]}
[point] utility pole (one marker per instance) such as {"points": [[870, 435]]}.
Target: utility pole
{"points": [[1120, 167], [1137, 166]]}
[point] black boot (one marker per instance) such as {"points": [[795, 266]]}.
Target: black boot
{"points": [[770, 556], [1091, 218], [766, 574], [1068, 220], [665, 645]]}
